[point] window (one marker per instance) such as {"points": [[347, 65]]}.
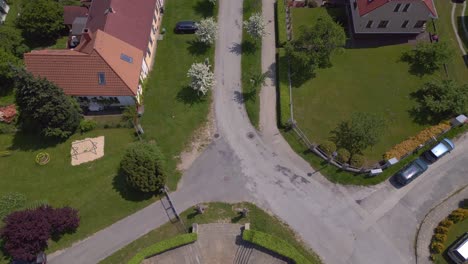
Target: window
{"points": [[405, 23], [369, 24], [101, 78], [420, 24], [151, 42], [383, 24], [153, 30], [405, 9], [126, 58], [397, 8], [148, 52]]}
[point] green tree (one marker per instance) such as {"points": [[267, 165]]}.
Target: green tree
{"points": [[314, 46], [442, 99], [41, 19], [361, 131], [44, 107], [6, 73], [143, 166], [426, 57], [11, 40]]}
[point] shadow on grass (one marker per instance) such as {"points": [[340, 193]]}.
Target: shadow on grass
{"points": [[415, 68], [420, 115], [241, 98], [120, 184], [204, 8], [197, 48], [189, 96], [27, 141], [237, 218], [246, 47]]}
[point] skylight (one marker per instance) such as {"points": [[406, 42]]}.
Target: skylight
{"points": [[126, 58], [101, 78]]}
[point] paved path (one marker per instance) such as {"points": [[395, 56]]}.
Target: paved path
{"points": [[342, 224], [430, 222], [455, 29]]}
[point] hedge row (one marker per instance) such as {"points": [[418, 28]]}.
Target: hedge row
{"points": [[412, 143], [163, 246], [437, 245], [281, 22], [274, 244]]}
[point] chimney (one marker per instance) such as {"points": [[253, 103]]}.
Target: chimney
{"points": [[86, 34]]}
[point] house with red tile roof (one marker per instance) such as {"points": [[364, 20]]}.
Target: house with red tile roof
{"points": [[111, 50], [391, 16]]}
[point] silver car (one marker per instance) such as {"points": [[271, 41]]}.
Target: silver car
{"points": [[444, 147]]}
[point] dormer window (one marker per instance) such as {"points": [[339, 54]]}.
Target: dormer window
{"points": [[101, 78]]}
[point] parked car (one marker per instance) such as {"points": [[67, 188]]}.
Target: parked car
{"points": [[411, 171], [444, 147], [458, 252], [185, 27]]}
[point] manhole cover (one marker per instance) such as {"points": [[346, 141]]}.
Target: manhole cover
{"points": [[216, 135], [250, 135]]}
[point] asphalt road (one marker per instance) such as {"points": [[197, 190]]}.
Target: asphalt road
{"points": [[342, 224]]}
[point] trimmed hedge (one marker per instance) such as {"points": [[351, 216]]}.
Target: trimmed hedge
{"points": [[274, 244], [281, 23], [328, 147], [163, 246]]}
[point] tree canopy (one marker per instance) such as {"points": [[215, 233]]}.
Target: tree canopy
{"points": [[143, 166], [12, 41], [313, 47], [44, 107], [360, 132], [41, 19], [202, 78], [207, 31], [442, 99], [6, 73], [427, 57], [255, 26]]}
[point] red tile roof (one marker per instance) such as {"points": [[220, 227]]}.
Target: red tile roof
{"points": [[76, 71], [130, 20], [72, 12], [366, 6]]}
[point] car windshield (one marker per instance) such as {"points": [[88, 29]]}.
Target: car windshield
{"points": [[440, 149], [409, 172]]}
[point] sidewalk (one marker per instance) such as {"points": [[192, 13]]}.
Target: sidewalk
{"points": [[431, 220]]}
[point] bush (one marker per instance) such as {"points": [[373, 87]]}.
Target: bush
{"points": [[328, 147], [441, 230], [281, 22], [446, 223], [87, 125], [62, 220], [412, 143], [7, 128], [458, 215], [441, 238], [437, 247], [274, 244], [312, 3], [357, 160], [343, 155], [143, 166], [162, 247]]}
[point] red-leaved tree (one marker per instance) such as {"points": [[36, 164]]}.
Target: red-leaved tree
{"points": [[26, 233]]}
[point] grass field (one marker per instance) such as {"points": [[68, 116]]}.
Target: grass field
{"points": [[172, 109], [455, 232], [251, 64], [216, 212]]}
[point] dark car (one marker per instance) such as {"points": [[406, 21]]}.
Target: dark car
{"points": [[186, 27], [458, 252], [435, 153], [410, 172]]}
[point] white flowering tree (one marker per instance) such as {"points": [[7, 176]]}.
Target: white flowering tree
{"points": [[255, 26], [207, 31], [202, 77]]}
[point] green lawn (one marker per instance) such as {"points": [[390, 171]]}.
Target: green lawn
{"points": [[172, 109], [455, 232], [216, 212], [61, 43], [251, 64]]}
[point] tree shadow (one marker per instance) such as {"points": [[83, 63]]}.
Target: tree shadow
{"points": [[415, 68], [189, 96], [463, 203], [197, 47], [28, 141], [243, 97], [192, 215], [420, 115], [120, 184], [237, 218], [204, 8]]}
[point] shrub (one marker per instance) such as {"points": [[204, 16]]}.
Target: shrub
{"points": [[87, 125], [7, 128], [446, 223], [143, 166], [328, 147], [312, 3], [412, 143], [274, 244], [441, 238], [163, 246], [343, 155], [357, 160], [457, 215], [62, 220], [437, 247], [441, 230]]}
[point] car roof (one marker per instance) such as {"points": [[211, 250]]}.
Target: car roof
{"points": [[444, 146], [187, 23], [412, 169], [463, 249]]}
